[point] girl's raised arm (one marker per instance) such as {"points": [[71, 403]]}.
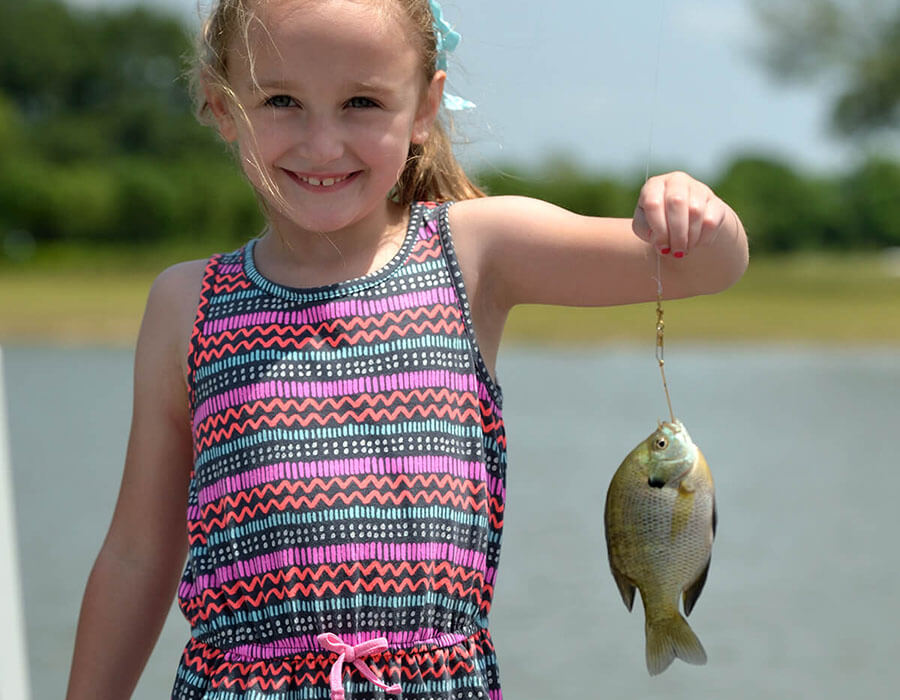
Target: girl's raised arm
{"points": [[134, 579], [528, 251]]}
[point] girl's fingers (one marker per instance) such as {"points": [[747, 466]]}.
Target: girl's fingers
{"points": [[677, 213], [697, 213], [640, 226], [714, 218], [653, 210]]}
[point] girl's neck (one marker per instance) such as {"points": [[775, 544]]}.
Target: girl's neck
{"points": [[294, 257]]}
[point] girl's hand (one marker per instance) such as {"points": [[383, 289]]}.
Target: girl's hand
{"points": [[676, 213]]}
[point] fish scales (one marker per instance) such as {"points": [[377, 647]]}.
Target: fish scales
{"points": [[660, 523]]}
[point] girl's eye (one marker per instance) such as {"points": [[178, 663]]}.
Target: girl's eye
{"points": [[280, 101], [361, 102]]}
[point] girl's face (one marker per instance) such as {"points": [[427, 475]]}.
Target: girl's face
{"points": [[334, 98]]}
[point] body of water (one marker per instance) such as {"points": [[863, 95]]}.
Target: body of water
{"points": [[801, 600]]}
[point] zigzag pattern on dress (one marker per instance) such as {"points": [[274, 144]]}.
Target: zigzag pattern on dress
{"points": [[349, 477]]}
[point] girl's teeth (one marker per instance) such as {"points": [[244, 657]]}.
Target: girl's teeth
{"points": [[327, 182]]}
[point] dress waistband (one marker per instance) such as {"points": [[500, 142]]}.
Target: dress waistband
{"points": [[331, 654], [307, 644]]}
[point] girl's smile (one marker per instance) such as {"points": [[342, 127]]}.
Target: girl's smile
{"points": [[322, 184]]}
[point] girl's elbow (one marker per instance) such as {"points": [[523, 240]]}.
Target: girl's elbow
{"points": [[715, 276], [735, 271]]}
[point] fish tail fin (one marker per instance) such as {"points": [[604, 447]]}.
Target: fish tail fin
{"points": [[671, 637]]}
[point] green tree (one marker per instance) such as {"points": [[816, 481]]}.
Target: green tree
{"points": [[92, 83], [560, 181], [873, 193], [783, 210], [854, 44]]}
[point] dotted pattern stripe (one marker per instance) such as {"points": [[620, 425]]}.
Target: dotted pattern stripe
{"points": [[349, 477]]}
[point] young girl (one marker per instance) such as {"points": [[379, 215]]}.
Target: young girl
{"points": [[322, 403]]}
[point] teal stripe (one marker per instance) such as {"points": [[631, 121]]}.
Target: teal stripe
{"points": [[435, 688], [225, 448], [353, 514], [239, 295], [491, 445]]}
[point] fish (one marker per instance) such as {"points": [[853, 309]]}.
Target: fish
{"points": [[660, 522]]}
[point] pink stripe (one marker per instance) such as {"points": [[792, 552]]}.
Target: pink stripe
{"points": [[229, 269], [297, 471], [495, 486], [405, 381], [428, 230], [342, 553], [326, 312]]}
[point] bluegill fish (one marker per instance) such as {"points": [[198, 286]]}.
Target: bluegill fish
{"points": [[660, 522]]}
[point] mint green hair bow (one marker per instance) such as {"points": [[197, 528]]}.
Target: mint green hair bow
{"points": [[447, 41]]}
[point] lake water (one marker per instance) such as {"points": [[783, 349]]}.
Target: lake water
{"points": [[802, 598]]}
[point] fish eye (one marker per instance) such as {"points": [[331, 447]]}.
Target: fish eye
{"points": [[662, 443]]}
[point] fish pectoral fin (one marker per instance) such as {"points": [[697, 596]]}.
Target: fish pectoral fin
{"points": [[626, 587], [692, 592]]}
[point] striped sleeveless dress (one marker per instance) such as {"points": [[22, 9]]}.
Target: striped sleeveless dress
{"points": [[346, 502]]}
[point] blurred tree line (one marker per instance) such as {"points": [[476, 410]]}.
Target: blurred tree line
{"points": [[98, 145], [97, 139]]}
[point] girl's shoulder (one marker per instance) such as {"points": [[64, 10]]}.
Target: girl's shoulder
{"points": [[172, 308], [179, 285]]}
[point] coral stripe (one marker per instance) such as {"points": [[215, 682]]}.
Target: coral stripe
{"points": [[253, 480]]}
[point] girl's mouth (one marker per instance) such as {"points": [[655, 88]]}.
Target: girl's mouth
{"points": [[321, 183]]}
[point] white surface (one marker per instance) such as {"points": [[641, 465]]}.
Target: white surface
{"points": [[13, 663]]}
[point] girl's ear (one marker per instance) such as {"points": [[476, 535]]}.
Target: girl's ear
{"points": [[428, 109], [218, 105]]}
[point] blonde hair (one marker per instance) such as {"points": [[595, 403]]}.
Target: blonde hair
{"points": [[431, 173]]}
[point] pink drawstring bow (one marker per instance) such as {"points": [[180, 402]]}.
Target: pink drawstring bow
{"points": [[354, 655]]}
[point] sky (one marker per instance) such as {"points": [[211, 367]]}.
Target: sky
{"points": [[620, 86]]}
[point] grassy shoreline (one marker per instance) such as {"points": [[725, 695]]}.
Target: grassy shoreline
{"points": [[844, 300]]}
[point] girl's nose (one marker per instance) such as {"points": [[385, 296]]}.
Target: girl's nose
{"points": [[322, 141]]}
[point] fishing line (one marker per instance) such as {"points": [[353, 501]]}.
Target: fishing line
{"points": [[660, 321], [660, 335]]}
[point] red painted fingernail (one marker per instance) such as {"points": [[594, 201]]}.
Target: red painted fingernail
{"points": [[679, 253], [665, 251]]}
